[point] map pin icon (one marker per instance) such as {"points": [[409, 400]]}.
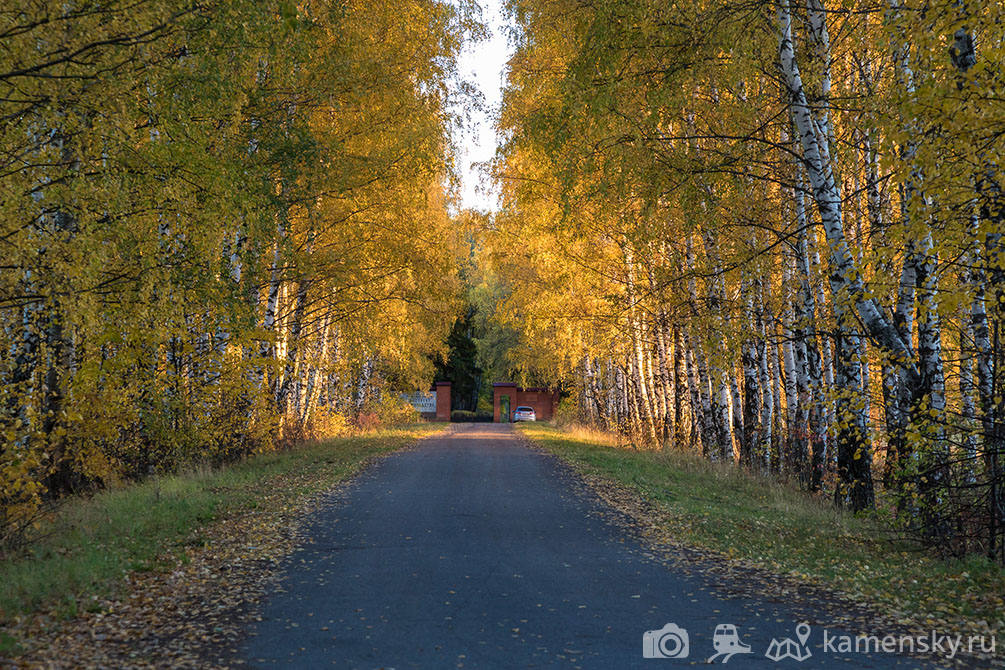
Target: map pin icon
{"points": [[803, 633]]}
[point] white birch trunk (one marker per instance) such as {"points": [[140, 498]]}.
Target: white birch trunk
{"points": [[827, 353], [846, 275], [700, 403], [267, 349], [363, 383], [666, 379], [750, 437], [792, 425], [641, 390], [612, 392], [767, 392], [731, 400], [779, 430], [681, 386]]}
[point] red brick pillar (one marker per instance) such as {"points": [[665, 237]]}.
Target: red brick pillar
{"points": [[443, 401], [500, 389]]}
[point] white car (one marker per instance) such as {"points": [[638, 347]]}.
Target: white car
{"points": [[524, 413]]}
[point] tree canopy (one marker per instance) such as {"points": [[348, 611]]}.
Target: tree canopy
{"points": [[770, 232], [224, 225]]}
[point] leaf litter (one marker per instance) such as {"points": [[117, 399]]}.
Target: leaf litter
{"points": [[193, 609]]}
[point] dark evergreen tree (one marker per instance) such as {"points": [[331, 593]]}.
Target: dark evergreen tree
{"points": [[461, 367]]}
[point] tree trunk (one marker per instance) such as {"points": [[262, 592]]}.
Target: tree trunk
{"points": [[767, 392], [666, 380], [751, 406], [640, 388], [795, 378], [681, 387], [811, 389], [816, 159], [267, 349]]}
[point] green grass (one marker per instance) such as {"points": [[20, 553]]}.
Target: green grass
{"points": [[783, 529], [92, 542]]}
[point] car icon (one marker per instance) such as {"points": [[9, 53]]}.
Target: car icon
{"points": [[726, 642]]}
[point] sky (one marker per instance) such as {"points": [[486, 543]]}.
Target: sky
{"points": [[484, 64]]}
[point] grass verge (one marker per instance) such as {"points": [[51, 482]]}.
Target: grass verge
{"points": [[92, 543], [776, 527]]}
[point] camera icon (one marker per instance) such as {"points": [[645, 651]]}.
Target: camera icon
{"points": [[668, 642]]}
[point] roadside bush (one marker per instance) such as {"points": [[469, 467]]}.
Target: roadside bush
{"points": [[568, 412], [328, 423], [392, 409]]}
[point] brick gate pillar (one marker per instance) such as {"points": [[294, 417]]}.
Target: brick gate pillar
{"points": [[499, 390], [443, 401]]}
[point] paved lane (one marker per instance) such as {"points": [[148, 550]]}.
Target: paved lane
{"points": [[474, 551]]}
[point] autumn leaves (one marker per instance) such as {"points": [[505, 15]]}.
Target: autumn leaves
{"points": [[767, 226], [222, 226]]}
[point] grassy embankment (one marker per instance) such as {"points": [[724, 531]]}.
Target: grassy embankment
{"points": [[93, 542], [782, 529]]}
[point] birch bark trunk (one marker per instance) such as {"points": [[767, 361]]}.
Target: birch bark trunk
{"points": [[815, 158], [612, 393], [767, 392], [793, 427], [751, 404], [711, 439], [732, 399], [267, 348], [811, 449], [588, 395], [725, 378], [847, 283], [363, 384], [700, 405], [681, 386], [312, 389], [779, 430], [989, 358], [621, 396], [666, 379], [286, 390]]}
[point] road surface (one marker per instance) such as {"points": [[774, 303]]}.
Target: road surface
{"points": [[475, 551]]}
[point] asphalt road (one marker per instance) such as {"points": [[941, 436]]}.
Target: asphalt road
{"points": [[475, 551]]}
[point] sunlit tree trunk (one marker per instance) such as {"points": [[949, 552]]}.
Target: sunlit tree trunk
{"points": [[589, 397], [621, 398], [657, 402], [363, 383], [311, 389], [613, 399], [667, 382], [640, 388], [726, 396], [968, 389], [734, 399]]}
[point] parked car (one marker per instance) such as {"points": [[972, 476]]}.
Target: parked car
{"points": [[524, 413]]}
